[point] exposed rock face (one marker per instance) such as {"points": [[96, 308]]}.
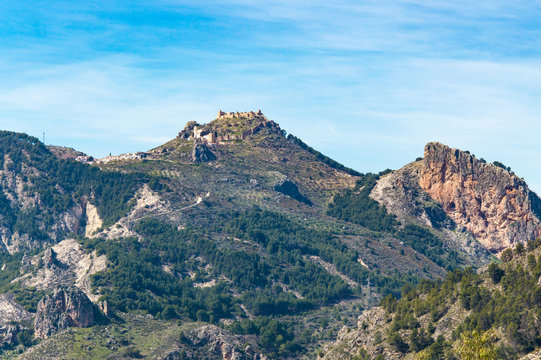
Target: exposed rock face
{"points": [[8, 334], [289, 188], [65, 307], [401, 194], [16, 195], [11, 311], [202, 153], [351, 340], [93, 220], [493, 204], [214, 343], [64, 264]]}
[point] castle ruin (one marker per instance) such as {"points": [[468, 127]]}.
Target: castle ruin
{"points": [[240, 115], [203, 134]]}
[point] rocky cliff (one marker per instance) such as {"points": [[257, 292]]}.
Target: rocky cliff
{"points": [[492, 203], [462, 196], [63, 308]]}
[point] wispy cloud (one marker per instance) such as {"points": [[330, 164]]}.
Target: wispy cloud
{"points": [[366, 82]]}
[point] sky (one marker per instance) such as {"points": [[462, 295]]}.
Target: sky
{"points": [[367, 83]]}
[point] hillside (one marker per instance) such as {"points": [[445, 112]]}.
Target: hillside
{"points": [[490, 314], [234, 225]]}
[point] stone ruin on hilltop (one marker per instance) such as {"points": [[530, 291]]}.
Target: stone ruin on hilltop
{"points": [[256, 121]]}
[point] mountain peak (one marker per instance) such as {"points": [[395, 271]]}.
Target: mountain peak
{"points": [[229, 126], [487, 199]]}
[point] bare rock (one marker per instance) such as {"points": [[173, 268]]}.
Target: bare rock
{"points": [[8, 334], [63, 308], [202, 153], [492, 203], [11, 311], [49, 258], [401, 194], [215, 343]]}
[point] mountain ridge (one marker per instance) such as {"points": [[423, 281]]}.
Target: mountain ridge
{"points": [[232, 223]]}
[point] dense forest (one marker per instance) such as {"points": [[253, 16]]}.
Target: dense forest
{"points": [[272, 272]]}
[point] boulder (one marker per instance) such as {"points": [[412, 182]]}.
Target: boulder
{"points": [[202, 153]]}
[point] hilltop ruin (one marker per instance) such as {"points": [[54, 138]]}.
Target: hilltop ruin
{"points": [[219, 132]]}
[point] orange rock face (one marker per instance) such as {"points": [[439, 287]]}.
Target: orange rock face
{"points": [[495, 205]]}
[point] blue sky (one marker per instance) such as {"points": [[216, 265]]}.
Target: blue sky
{"points": [[365, 82]]}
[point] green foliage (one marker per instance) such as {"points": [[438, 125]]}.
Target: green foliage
{"points": [[477, 346], [25, 338], [397, 342], [519, 248], [290, 242], [362, 355], [59, 185], [423, 241], [324, 159], [420, 339], [501, 165], [275, 336], [513, 306], [495, 272], [506, 255], [439, 350], [357, 207], [136, 280], [28, 298]]}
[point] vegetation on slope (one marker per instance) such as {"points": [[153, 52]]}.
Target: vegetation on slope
{"points": [[58, 184], [325, 159], [262, 256], [499, 311], [356, 206]]}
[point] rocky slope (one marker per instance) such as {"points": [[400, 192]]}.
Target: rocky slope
{"points": [[492, 312], [451, 189], [227, 224], [141, 337]]}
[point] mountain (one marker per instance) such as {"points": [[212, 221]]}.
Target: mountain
{"points": [[450, 188], [233, 233]]}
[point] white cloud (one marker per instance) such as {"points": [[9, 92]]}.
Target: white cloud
{"points": [[366, 82]]}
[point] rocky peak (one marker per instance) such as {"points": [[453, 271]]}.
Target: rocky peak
{"points": [[49, 258], [229, 126], [63, 308], [489, 201]]}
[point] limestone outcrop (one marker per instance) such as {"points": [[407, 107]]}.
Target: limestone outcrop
{"points": [[402, 196], [202, 153], [63, 308], [492, 203], [452, 191], [214, 343]]}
